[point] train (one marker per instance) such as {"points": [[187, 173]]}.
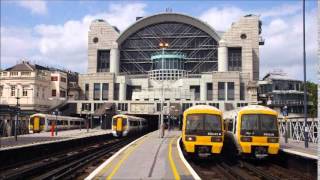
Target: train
{"points": [[202, 130], [124, 125], [43, 122], [254, 131]]}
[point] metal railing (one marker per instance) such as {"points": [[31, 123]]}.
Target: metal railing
{"points": [[296, 128]]}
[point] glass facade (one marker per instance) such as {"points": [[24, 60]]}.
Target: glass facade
{"points": [[103, 61], [116, 91], [230, 90], [199, 47], [209, 92], [242, 91], [105, 91], [221, 91], [234, 59], [96, 91]]}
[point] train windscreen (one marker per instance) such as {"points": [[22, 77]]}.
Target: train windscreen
{"points": [[259, 125], [203, 124]]}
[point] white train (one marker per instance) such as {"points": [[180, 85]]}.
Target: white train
{"points": [[42, 122], [122, 125]]}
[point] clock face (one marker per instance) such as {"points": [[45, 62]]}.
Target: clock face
{"points": [[243, 36], [95, 40]]}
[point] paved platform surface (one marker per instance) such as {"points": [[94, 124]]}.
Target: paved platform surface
{"points": [[149, 157], [297, 148], [45, 137]]}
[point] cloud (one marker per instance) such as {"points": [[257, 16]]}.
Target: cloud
{"points": [[283, 46], [36, 6], [283, 10], [221, 18], [63, 44]]}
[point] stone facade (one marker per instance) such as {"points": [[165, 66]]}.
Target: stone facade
{"points": [[243, 34]]}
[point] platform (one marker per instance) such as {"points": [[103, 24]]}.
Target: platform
{"points": [[297, 148], [45, 137], [149, 157]]}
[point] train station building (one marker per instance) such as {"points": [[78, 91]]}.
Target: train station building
{"points": [[174, 56]]}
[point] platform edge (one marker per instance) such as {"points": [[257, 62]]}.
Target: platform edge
{"points": [[185, 162], [97, 170], [305, 155]]}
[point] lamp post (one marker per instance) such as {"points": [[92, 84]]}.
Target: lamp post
{"points": [[304, 81], [17, 116], [56, 113], [163, 46]]}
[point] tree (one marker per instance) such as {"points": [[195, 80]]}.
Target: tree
{"points": [[312, 90]]}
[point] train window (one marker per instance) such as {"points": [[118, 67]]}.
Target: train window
{"points": [[124, 122], [268, 122], [203, 123], [250, 122]]}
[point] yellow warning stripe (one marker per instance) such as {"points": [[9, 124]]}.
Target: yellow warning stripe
{"points": [[172, 165], [116, 168]]}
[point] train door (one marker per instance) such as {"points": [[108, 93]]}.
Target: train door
{"points": [[119, 124], [36, 124]]}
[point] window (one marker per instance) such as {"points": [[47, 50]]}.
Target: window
{"points": [[230, 90], [242, 91], [234, 59], [63, 79], [38, 91], [62, 93], [24, 91], [96, 91], [25, 73], [97, 106], [14, 73], [221, 91], [203, 124], [86, 107], [13, 90], [54, 78], [103, 61], [105, 91], [1, 89], [209, 92], [43, 93], [54, 93], [196, 90], [116, 91], [86, 91], [258, 122]]}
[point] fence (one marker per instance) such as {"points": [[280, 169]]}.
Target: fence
{"points": [[296, 128], [7, 127]]}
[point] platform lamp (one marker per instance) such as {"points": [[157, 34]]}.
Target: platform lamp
{"points": [[17, 115], [56, 113], [163, 46]]}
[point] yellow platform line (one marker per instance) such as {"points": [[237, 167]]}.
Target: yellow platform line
{"points": [[118, 165], [172, 165]]}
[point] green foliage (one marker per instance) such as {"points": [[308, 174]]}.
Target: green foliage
{"points": [[312, 90]]}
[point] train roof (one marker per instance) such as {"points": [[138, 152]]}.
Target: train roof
{"points": [[54, 116], [257, 108], [128, 116], [202, 107]]}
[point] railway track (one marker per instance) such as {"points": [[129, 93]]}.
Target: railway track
{"points": [[65, 165], [243, 170]]}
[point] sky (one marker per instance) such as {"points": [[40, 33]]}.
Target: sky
{"points": [[54, 32]]}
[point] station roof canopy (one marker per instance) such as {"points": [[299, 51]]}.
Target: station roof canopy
{"points": [[167, 17]]}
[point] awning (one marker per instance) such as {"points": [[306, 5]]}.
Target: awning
{"points": [[106, 108]]}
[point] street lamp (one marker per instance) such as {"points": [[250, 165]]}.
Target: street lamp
{"points": [[17, 116], [163, 46], [56, 113]]}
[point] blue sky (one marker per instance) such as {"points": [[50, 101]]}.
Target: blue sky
{"points": [[39, 30]]}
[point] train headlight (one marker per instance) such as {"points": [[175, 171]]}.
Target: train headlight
{"points": [[273, 140], [246, 139], [216, 139], [190, 138]]}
